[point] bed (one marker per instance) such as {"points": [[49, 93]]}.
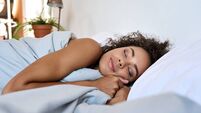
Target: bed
{"points": [[171, 85], [173, 81], [166, 85]]}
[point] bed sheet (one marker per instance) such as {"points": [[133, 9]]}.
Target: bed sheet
{"points": [[58, 99]]}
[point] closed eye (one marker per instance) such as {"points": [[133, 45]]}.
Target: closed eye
{"points": [[130, 73]]}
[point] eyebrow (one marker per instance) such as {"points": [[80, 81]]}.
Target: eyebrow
{"points": [[133, 52]]}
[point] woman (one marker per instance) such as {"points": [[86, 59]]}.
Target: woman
{"points": [[120, 62]]}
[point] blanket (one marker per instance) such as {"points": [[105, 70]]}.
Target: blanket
{"points": [[54, 99], [60, 99]]}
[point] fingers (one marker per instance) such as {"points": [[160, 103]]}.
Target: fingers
{"points": [[121, 82], [115, 84], [112, 94], [110, 84], [118, 84], [124, 80], [121, 85]]}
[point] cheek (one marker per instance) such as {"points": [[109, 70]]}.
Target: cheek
{"points": [[122, 73], [103, 65]]}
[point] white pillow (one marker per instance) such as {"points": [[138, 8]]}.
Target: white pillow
{"points": [[178, 71]]}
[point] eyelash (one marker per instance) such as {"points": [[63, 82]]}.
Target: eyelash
{"points": [[129, 73]]}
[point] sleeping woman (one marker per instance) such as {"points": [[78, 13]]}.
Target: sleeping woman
{"points": [[26, 66]]}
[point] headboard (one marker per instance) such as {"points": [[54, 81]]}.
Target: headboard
{"points": [[176, 20]]}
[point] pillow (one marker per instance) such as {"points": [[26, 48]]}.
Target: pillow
{"points": [[178, 71]]}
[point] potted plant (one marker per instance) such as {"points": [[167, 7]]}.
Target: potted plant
{"points": [[41, 26]]}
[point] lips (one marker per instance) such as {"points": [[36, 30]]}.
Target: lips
{"points": [[111, 65]]}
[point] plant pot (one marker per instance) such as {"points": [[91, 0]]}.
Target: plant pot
{"points": [[41, 30]]}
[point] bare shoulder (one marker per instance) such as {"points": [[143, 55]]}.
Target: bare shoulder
{"points": [[79, 53]]}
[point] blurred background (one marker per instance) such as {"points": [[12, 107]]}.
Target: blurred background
{"points": [[176, 20]]}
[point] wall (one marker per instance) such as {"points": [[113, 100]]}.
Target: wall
{"points": [[177, 20]]}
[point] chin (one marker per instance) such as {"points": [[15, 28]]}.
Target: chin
{"points": [[103, 70], [106, 72]]}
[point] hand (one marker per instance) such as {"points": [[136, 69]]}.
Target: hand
{"points": [[120, 96], [110, 84]]}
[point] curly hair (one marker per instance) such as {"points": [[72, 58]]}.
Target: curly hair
{"points": [[154, 47]]}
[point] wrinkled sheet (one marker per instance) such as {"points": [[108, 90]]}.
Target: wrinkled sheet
{"points": [[54, 99], [79, 99]]}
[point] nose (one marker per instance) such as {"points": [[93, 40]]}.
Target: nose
{"points": [[121, 63]]}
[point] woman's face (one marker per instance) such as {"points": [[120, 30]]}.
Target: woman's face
{"points": [[128, 63]]}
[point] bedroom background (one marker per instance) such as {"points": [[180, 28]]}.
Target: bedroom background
{"points": [[176, 20]]}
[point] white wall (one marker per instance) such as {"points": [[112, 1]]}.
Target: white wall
{"points": [[177, 20], [33, 8]]}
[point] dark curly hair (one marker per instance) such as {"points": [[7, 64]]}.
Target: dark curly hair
{"points": [[154, 47]]}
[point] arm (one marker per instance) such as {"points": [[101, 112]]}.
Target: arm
{"points": [[53, 67]]}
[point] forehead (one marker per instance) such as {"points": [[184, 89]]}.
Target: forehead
{"points": [[138, 50]]}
